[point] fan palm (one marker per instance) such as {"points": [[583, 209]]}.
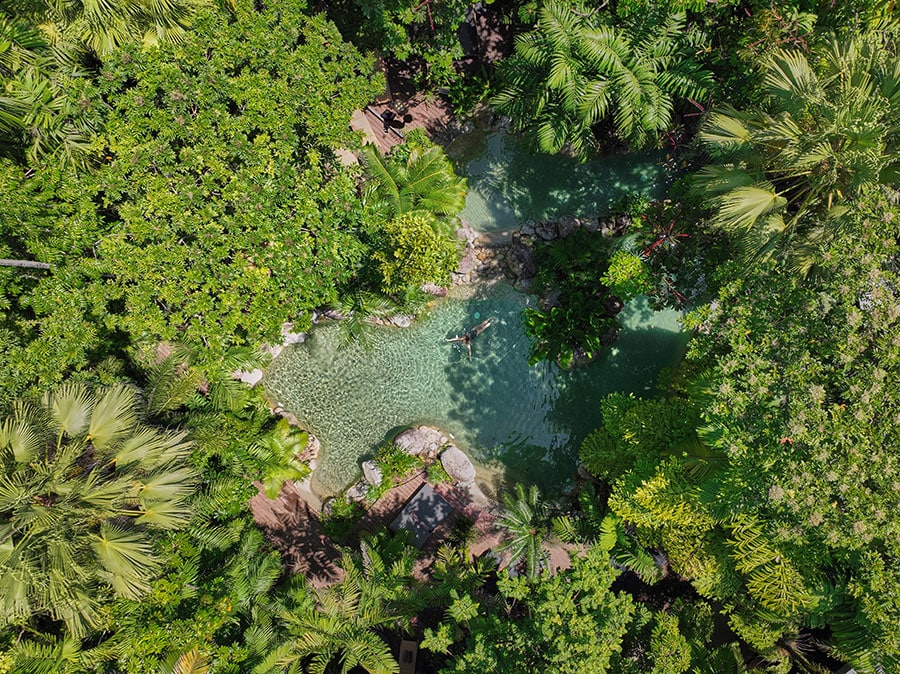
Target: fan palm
{"points": [[423, 181], [783, 181], [571, 73], [83, 485], [528, 527]]}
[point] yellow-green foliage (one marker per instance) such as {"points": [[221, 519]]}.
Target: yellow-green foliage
{"points": [[414, 252]]}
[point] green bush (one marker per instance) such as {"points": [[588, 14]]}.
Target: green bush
{"points": [[343, 518], [437, 474], [395, 462], [581, 314]]}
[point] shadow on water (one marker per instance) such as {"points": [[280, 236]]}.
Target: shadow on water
{"points": [[517, 422], [529, 422], [507, 184]]}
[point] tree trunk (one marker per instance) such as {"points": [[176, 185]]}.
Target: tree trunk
{"points": [[24, 263]]}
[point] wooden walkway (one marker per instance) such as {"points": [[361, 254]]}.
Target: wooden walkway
{"points": [[294, 530]]}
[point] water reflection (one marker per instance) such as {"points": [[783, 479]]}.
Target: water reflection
{"points": [[508, 184]]}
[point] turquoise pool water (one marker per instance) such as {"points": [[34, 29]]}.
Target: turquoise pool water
{"points": [[508, 184], [518, 422]]}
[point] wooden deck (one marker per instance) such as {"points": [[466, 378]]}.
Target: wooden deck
{"points": [[293, 527], [433, 115]]}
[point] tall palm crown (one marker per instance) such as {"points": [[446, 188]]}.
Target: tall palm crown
{"points": [[83, 485], [528, 526], [571, 72], [422, 181], [784, 180], [339, 624]]}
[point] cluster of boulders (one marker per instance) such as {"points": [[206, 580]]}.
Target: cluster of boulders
{"points": [[430, 443], [510, 255], [426, 442]]}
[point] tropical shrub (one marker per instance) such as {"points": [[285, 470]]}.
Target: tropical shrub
{"points": [[342, 622], [395, 462], [227, 222], [581, 314], [414, 251]]}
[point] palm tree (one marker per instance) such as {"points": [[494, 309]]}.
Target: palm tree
{"points": [[102, 27], [341, 622], [528, 526], [784, 180], [39, 88], [572, 72], [422, 181], [83, 486]]}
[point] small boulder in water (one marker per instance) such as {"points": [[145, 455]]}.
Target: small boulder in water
{"points": [[458, 465]]}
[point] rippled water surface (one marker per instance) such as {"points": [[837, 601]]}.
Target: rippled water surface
{"points": [[525, 421], [508, 184], [517, 422]]}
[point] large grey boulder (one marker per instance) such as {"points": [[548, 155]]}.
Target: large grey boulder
{"points": [[590, 224], [422, 440], [288, 336], [402, 320], [566, 226], [547, 230], [458, 465], [372, 473]]}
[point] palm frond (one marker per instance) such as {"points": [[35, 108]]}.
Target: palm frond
{"points": [[149, 448], [744, 208], [387, 184], [23, 438], [70, 408], [789, 76], [127, 558], [192, 662], [112, 415], [726, 131]]}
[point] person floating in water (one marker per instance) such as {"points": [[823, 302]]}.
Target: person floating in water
{"points": [[472, 334]]}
